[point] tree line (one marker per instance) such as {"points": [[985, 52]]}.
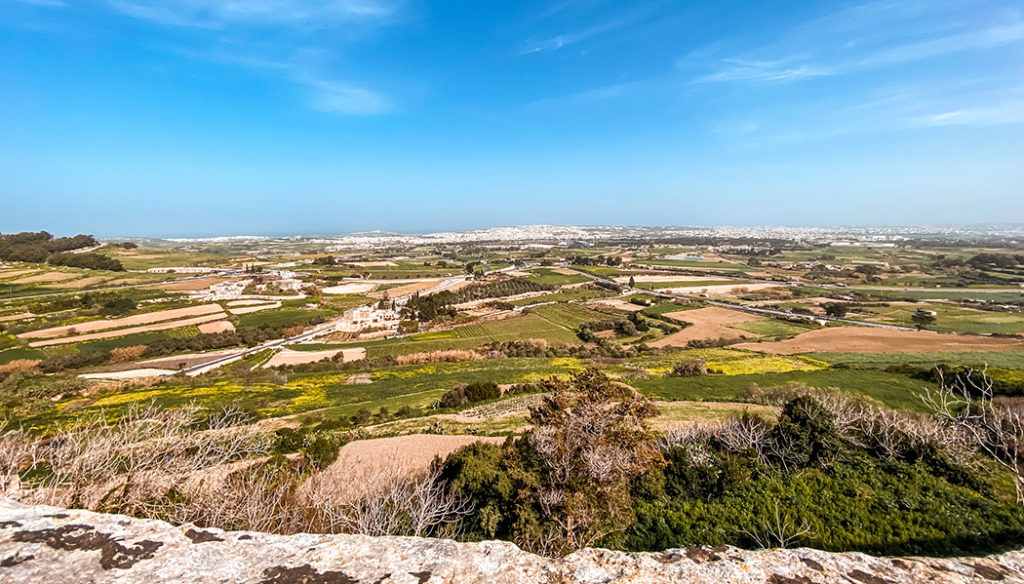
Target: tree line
{"points": [[439, 304], [40, 247]]}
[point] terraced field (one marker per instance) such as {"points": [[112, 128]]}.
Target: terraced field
{"points": [[527, 326], [570, 316]]}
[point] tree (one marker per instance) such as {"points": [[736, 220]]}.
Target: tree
{"points": [[967, 402], [836, 309], [922, 319], [590, 438]]}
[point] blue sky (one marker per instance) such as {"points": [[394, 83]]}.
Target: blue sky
{"points": [[209, 117]]}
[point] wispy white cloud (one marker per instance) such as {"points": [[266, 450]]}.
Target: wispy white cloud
{"points": [[597, 94], [862, 38], [303, 67], [221, 13], [945, 45], [275, 55], [344, 98], [45, 3], [782, 70], [562, 40], [996, 114]]}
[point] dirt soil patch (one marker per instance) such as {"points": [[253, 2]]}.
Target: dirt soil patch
{"points": [[11, 317], [190, 285], [349, 289], [616, 303], [47, 277], [92, 280], [720, 290], [859, 339], [461, 285], [290, 357], [413, 453], [99, 325], [220, 326], [662, 278], [130, 331], [189, 360], [249, 302], [565, 271], [708, 323], [412, 288], [130, 374], [248, 309], [15, 273]]}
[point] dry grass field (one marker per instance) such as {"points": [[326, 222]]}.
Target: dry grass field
{"points": [[99, 325], [47, 277], [708, 323], [857, 339], [130, 331]]}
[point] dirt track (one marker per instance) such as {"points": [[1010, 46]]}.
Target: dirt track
{"points": [[708, 323], [99, 325], [47, 277], [129, 331], [857, 339]]}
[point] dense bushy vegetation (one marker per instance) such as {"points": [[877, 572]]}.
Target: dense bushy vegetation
{"points": [[828, 473], [469, 393], [43, 247], [105, 302], [437, 305], [89, 261], [37, 247], [565, 484], [969, 377]]}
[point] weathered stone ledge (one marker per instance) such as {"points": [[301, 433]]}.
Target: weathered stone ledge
{"points": [[51, 545]]}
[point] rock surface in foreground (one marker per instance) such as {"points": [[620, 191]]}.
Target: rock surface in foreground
{"points": [[51, 545]]}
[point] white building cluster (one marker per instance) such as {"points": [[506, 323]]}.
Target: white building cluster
{"points": [[363, 318]]}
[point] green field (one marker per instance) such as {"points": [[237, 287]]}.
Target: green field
{"points": [[550, 277], [417, 386], [566, 296], [940, 294], [772, 328], [528, 326], [282, 317], [952, 358], [570, 316], [951, 319], [601, 271], [891, 389], [666, 307]]}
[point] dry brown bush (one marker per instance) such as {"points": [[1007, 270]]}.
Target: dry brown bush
{"points": [[291, 331], [20, 366], [387, 500], [448, 356], [125, 354], [968, 404], [218, 473]]}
